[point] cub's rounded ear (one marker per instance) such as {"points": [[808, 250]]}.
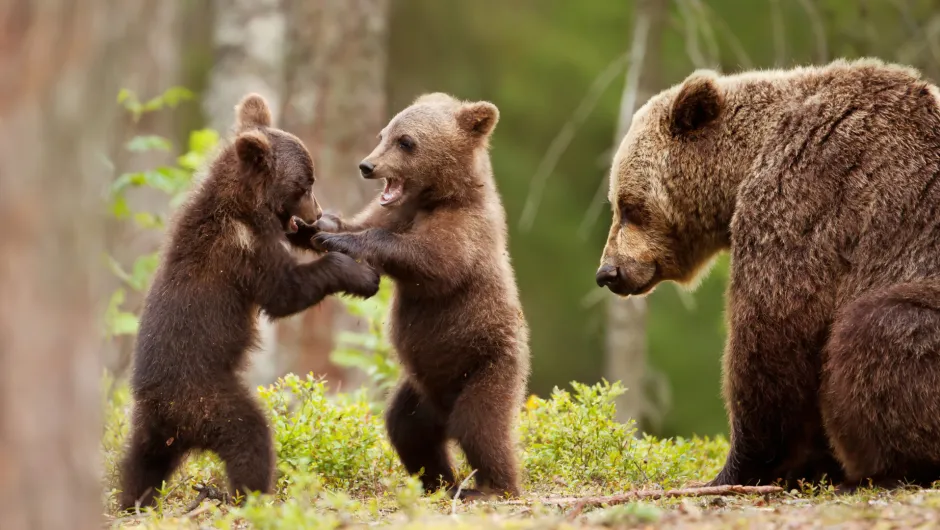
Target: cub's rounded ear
{"points": [[698, 103], [253, 148], [252, 111], [478, 119]]}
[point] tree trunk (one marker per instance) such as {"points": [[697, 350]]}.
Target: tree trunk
{"points": [[59, 65], [249, 57], [160, 51], [625, 345], [335, 102]]}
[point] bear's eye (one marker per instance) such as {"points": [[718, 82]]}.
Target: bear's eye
{"points": [[406, 143], [631, 214]]}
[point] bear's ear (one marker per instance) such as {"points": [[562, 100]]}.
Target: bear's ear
{"points": [[478, 119], [698, 103], [253, 148], [252, 111]]}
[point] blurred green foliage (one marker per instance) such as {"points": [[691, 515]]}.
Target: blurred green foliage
{"points": [[173, 180]]}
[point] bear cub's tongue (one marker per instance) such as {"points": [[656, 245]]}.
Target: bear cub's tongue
{"points": [[392, 192]]}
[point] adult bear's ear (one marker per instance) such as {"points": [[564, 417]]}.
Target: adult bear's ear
{"points": [[698, 103]]}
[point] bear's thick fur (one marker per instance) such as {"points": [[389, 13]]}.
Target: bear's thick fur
{"points": [[225, 260], [439, 231], [824, 184]]}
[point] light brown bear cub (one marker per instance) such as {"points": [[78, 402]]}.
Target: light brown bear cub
{"points": [[824, 183], [439, 231]]}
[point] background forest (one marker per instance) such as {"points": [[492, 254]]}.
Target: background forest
{"points": [[129, 98], [564, 75]]}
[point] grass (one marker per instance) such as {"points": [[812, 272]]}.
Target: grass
{"points": [[336, 469]]}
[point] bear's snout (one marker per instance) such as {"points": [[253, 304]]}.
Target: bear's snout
{"points": [[606, 275], [633, 278], [366, 168]]}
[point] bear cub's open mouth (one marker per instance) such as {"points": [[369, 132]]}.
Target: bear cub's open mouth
{"points": [[394, 189]]}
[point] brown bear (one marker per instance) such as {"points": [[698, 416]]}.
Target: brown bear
{"points": [[226, 259], [823, 184], [438, 229]]}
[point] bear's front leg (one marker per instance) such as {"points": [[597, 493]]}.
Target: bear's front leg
{"points": [[771, 384]]}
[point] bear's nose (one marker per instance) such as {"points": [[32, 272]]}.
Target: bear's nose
{"points": [[606, 275], [366, 168]]}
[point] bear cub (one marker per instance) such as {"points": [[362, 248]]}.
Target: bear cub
{"points": [[227, 258], [438, 229]]}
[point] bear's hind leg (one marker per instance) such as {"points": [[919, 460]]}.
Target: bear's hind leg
{"points": [[881, 386], [419, 437], [483, 423], [150, 460], [239, 434]]}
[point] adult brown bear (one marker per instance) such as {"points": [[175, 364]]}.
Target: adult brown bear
{"points": [[823, 184]]}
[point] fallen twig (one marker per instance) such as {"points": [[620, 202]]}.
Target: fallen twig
{"points": [[464, 482], [582, 502], [206, 492]]}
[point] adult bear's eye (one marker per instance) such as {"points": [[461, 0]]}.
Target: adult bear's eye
{"points": [[631, 214], [406, 143]]}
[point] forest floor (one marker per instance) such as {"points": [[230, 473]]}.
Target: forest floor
{"points": [[870, 509], [336, 470]]}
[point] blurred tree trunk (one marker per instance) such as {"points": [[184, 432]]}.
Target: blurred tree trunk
{"points": [[249, 57], [335, 102], [161, 52], [58, 64], [625, 345]]}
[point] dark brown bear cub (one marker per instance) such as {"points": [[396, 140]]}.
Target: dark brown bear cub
{"points": [[439, 231], [226, 259]]}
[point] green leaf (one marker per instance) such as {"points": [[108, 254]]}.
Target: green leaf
{"points": [[125, 180], [119, 207], [143, 270], [173, 96], [124, 95], [115, 267], [191, 161], [116, 321], [124, 323], [148, 220], [202, 141], [114, 303], [140, 144]]}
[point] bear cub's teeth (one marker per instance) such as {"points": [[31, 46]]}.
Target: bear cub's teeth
{"points": [[394, 188]]}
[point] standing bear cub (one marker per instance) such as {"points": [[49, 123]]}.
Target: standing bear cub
{"points": [[824, 183], [225, 260], [439, 230]]}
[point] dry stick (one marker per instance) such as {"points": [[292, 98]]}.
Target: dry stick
{"points": [[206, 492], [581, 502], [464, 482]]}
